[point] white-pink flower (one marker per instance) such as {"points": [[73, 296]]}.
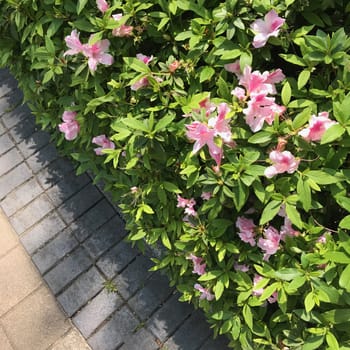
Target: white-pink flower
{"points": [[102, 5], [206, 195], [270, 244], [317, 127], [123, 30], [145, 59], [74, 44], [287, 229], [70, 127], [246, 230], [104, 142], [198, 264], [234, 67], [205, 293], [265, 28], [282, 162], [241, 267]]}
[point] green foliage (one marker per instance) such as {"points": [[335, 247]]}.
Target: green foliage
{"points": [[302, 296]]}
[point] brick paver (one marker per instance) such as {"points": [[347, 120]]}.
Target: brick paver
{"points": [[75, 237]]}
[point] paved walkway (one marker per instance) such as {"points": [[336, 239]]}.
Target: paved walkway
{"points": [[100, 287]]}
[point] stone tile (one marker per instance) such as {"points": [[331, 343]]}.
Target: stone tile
{"points": [[191, 335], [42, 158], [51, 253], [10, 101], [54, 172], [31, 214], [5, 144], [7, 85], [36, 322], [95, 217], [116, 259], [67, 270], [142, 339], [96, 311], [105, 237], [42, 232], [165, 321], [115, 331], [2, 128], [8, 238], [81, 291], [31, 144], [23, 130], [16, 116], [9, 160], [4, 341], [21, 196], [14, 178], [220, 342], [151, 296], [79, 203], [133, 277], [17, 273], [64, 189], [71, 341], [4, 74]]}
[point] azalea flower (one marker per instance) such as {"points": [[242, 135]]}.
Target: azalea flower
{"points": [[188, 204], [102, 5], [123, 30], [282, 162], [241, 267], [198, 264], [273, 298], [70, 127], [246, 230], [234, 67], [288, 230], [269, 244], [317, 127], [174, 66], [104, 142], [145, 59], [265, 28], [205, 293], [74, 44], [143, 82], [206, 195]]}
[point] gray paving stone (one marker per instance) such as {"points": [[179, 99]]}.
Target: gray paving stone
{"points": [[42, 232], [105, 237], [96, 311], [21, 196], [42, 158], [191, 335], [79, 203], [141, 340], [31, 214], [151, 296], [14, 178], [31, 144], [116, 259], [7, 85], [220, 343], [81, 291], [5, 144], [168, 318], [15, 116], [24, 129], [55, 250], [115, 331], [67, 270], [95, 217], [9, 160], [2, 128], [54, 172], [133, 277], [69, 185], [4, 74], [10, 101]]}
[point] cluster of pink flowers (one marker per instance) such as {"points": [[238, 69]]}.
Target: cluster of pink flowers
{"points": [[205, 293], [206, 133], [246, 230], [143, 82], [198, 264], [317, 127], [96, 52], [188, 204], [260, 107], [265, 28], [104, 142], [123, 30], [70, 127], [282, 161]]}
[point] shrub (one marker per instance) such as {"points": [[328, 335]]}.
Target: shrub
{"points": [[224, 131]]}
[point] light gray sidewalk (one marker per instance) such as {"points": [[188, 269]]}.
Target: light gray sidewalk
{"points": [[75, 238]]}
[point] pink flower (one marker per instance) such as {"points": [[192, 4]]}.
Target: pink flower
{"points": [[182, 202], [264, 28], [70, 127], [123, 30], [206, 195], [74, 44], [205, 294], [273, 298], [287, 229], [207, 105], [246, 230], [188, 204], [143, 82], [102, 5], [317, 127], [96, 53], [145, 59], [239, 93], [270, 243], [198, 265], [256, 280], [174, 66], [282, 162], [241, 267], [233, 67], [104, 142]]}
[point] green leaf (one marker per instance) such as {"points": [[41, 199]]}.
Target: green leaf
{"points": [[322, 177], [294, 215], [219, 289], [287, 273], [218, 227], [261, 137], [147, 209], [286, 93], [165, 240], [345, 222], [333, 133], [270, 211], [137, 65], [164, 122], [211, 275], [135, 124], [337, 316], [332, 341], [206, 74], [171, 187], [293, 59], [313, 342], [248, 316], [304, 193], [344, 280], [303, 78], [80, 5], [338, 257], [309, 302], [139, 235], [301, 118]]}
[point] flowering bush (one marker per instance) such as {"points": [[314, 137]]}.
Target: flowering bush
{"points": [[224, 133]]}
